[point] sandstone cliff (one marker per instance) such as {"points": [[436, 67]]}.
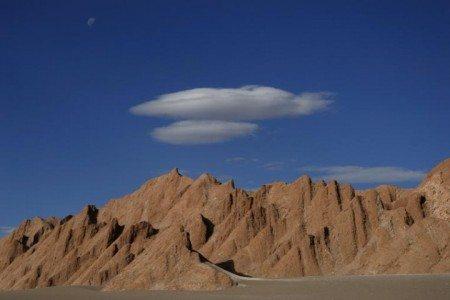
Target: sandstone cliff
{"points": [[161, 235]]}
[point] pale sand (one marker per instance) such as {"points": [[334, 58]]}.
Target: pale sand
{"points": [[383, 287]]}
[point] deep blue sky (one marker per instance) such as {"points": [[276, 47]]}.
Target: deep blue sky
{"points": [[67, 138]]}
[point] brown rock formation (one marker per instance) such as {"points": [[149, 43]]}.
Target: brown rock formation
{"points": [[161, 235]]}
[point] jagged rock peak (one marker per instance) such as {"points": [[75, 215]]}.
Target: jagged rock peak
{"points": [[439, 173], [88, 215], [230, 183], [305, 179], [175, 172], [207, 177]]}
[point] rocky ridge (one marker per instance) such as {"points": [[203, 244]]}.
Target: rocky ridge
{"points": [[161, 235]]}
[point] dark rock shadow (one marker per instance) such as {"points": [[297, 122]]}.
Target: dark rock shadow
{"points": [[229, 266], [209, 227]]}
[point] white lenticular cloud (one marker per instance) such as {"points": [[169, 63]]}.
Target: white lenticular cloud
{"points": [[233, 104], [192, 132], [216, 114], [356, 174]]}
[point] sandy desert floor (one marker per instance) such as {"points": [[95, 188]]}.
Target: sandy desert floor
{"points": [[345, 287]]}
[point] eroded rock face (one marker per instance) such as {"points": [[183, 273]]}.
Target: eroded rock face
{"points": [[161, 235]]}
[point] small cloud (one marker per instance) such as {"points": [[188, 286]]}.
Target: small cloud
{"points": [[236, 159], [184, 172], [193, 132], [240, 159], [5, 230], [357, 174], [90, 21], [274, 166]]}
